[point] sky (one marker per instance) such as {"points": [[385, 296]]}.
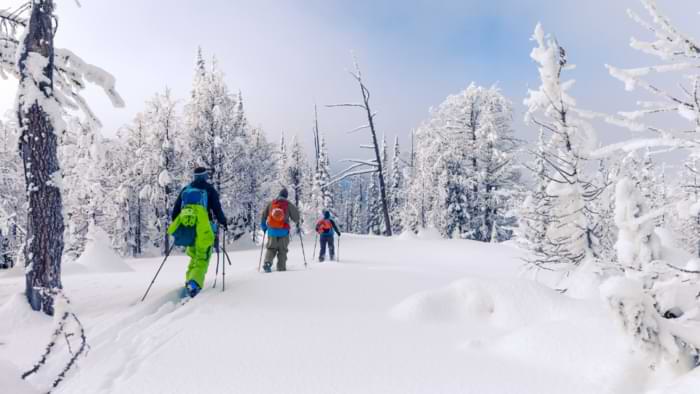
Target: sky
{"points": [[287, 55]]}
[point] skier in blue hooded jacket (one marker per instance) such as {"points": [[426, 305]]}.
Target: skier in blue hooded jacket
{"points": [[325, 229]]}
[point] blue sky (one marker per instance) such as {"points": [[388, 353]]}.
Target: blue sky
{"points": [[287, 55]]}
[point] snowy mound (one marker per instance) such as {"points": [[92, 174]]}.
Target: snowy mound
{"points": [[430, 234], [501, 303], [99, 256], [15, 312], [407, 235]]}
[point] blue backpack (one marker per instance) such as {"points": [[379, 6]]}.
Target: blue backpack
{"points": [[194, 196], [185, 235]]}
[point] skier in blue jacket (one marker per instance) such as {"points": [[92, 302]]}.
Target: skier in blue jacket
{"points": [[325, 229]]}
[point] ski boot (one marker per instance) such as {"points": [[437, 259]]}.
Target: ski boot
{"points": [[192, 288], [267, 267]]}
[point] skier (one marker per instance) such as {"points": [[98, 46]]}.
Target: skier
{"points": [[275, 221], [198, 203], [325, 228]]}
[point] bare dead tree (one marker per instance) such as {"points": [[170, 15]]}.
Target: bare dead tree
{"points": [[317, 141], [359, 167]]}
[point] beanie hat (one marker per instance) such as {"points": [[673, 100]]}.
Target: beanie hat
{"points": [[284, 193], [326, 214], [200, 173]]}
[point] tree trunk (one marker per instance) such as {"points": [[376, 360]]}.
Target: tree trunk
{"points": [[44, 245], [382, 185]]}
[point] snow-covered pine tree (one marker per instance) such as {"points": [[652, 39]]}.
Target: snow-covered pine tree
{"points": [[569, 238], [163, 167], [212, 124], [80, 159], [359, 208], [637, 244], [50, 80], [13, 213], [258, 178], [322, 193], [297, 168], [139, 184], [498, 179], [373, 221], [687, 224], [464, 176], [396, 190], [418, 196], [535, 214], [282, 161], [642, 296]]}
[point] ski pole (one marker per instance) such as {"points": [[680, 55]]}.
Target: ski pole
{"points": [[315, 242], [338, 257], [302, 249], [167, 254], [262, 247], [216, 274], [223, 262], [223, 266]]}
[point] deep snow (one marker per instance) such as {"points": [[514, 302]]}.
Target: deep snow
{"points": [[403, 315]]}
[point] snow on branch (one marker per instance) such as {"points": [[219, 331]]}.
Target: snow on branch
{"points": [[350, 175], [71, 73], [370, 163], [13, 18], [360, 128], [679, 54]]}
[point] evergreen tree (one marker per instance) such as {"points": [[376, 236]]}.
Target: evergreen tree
{"points": [[296, 169], [322, 193], [373, 215], [12, 197], [464, 180], [161, 168], [569, 240], [396, 190], [80, 159]]}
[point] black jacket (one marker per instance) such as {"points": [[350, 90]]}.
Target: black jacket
{"points": [[212, 200]]}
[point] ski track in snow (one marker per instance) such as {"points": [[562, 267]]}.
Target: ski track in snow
{"points": [[394, 316]]}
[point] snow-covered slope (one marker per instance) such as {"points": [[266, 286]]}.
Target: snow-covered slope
{"points": [[402, 315]]}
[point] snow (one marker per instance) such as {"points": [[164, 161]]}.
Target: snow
{"points": [[99, 256], [403, 315], [11, 382]]}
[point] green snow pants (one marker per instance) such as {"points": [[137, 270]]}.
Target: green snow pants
{"points": [[277, 246], [199, 263]]}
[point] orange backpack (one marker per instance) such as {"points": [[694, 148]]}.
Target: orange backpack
{"points": [[324, 226], [278, 213]]}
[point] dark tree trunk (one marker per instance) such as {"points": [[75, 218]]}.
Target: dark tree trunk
{"points": [[44, 245], [380, 171]]}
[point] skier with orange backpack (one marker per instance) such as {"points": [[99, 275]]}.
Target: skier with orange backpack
{"points": [[275, 221], [325, 228]]}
